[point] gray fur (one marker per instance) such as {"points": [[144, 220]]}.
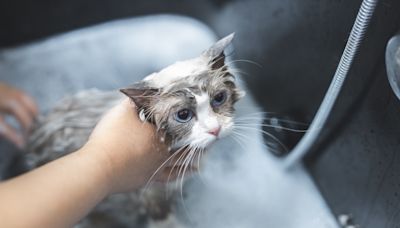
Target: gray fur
{"points": [[67, 127]]}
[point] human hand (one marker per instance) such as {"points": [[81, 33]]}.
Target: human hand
{"points": [[128, 149], [122, 154], [19, 105]]}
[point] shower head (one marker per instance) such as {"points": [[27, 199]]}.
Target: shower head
{"points": [[393, 63]]}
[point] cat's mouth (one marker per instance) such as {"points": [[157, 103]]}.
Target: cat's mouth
{"points": [[211, 141], [201, 141], [213, 138]]}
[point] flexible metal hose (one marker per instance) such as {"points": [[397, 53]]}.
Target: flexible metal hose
{"points": [[357, 33]]}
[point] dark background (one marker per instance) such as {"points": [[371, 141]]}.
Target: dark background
{"points": [[298, 44]]}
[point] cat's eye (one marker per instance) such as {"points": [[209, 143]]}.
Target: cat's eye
{"points": [[184, 115], [218, 99]]}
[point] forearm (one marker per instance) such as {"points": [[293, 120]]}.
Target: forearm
{"points": [[121, 155], [55, 195]]}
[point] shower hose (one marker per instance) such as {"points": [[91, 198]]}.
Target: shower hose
{"points": [[356, 35]]}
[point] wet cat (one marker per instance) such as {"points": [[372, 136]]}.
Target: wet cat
{"points": [[191, 103]]}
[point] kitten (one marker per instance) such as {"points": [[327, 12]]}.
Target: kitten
{"points": [[191, 103]]}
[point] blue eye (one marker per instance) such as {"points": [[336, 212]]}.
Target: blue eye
{"points": [[183, 115], [218, 99]]}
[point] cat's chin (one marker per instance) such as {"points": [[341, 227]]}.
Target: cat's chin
{"points": [[213, 141], [202, 146]]}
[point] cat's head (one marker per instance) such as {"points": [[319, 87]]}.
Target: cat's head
{"points": [[190, 102]]}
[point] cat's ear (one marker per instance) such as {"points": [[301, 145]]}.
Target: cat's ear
{"points": [[216, 52], [141, 94]]}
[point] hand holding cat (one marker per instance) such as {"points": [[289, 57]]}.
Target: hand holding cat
{"points": [[123, 152], [128, 149], [19, 105], [121, 155]]}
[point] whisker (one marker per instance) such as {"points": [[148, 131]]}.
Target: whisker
{"points": [[194, 156], [182, 156], [271, 118], [266, 133], [183, 174], [233, 71], [157, 170], [270, 145], [200, 156], [181, 168], [181, 188], [240, 138], [245, 61], [257, 113], [236, 138], [272, 126], [179, 159], [186, 164], [176, 162]]}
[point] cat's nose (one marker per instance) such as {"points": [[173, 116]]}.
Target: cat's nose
{"points": [[215, 131]]}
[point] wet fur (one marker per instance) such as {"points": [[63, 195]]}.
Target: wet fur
{"points": [[67, 127]]}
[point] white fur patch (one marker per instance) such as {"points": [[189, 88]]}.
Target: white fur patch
{"points": [[206, 120], [206, 117], [177, 71]]}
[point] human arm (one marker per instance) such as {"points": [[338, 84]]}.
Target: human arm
{"points": [[121, 155]]}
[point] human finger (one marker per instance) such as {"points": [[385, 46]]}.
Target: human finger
{"points": [[29, 103], [17, 109], [11, 134]]}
